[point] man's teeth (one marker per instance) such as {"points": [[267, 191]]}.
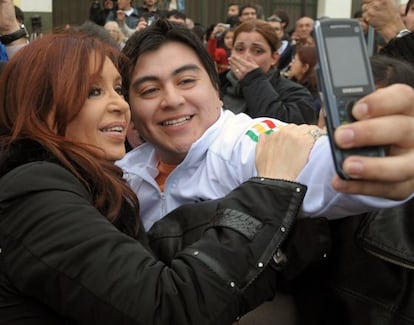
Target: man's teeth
{"points": [[177, 121], [114, 129]]}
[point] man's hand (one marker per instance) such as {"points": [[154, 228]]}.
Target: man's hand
{"points": [[385, 117], [384, 16], [8, 21]]}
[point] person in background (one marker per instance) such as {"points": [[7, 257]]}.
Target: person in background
{"points": [[176, 16], [200, 31], [287, 55], [378, 40], [220, 53], [13, 36], [384, 16], [126, 14], [233, 9], [248, 12], [99, 15], [189, 23], [19, 18], [179, 5], [285, 49], [150, 6], [113, 28], [302, 71], [253, 84], [72, 246], [284, 17], [303, 30]]}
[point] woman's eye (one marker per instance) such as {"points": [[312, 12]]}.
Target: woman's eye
{"points": [[258, 51], [119, 90], [94, 92]]}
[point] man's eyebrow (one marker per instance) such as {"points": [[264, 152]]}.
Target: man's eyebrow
{"points": [[136, 83]]}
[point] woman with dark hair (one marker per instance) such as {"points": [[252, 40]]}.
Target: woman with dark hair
{"points": [[72, 246], [302, 71]]}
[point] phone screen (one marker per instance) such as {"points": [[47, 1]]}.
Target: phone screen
{"points": [[346, 62]]}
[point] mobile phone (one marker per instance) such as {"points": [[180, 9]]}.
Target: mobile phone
{"points": [[225, 26], [150, 20], [344, 76]]}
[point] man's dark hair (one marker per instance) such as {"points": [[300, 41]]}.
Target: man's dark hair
{"points": [[159, 33], [283, 16], [176, 14], [248, 5], [233, 4]]}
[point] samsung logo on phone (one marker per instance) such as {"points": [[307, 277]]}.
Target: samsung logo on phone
{"points": [[352, 90]]}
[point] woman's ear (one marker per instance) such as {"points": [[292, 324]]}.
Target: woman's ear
{"points": [[275, 58], [305, 68]]}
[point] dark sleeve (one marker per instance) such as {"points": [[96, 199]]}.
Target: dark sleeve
{"points": [[284, 100], [95, 13], [59, 250], [400, 48]]}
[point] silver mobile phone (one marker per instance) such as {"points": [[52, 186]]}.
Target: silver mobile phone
{"points": [[344, 76]]}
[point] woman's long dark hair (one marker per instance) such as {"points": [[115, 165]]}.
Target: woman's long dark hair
{"points": [[47, 82]]}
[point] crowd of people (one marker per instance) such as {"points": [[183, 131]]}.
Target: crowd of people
{"points": [[182, 174]]}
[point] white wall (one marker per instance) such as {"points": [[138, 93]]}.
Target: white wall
{"points": [[339, 8], [34, 5], [334, 8]]}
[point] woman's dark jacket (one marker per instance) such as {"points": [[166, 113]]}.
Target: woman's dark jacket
{"points": [[62, 262], [259, 94]]}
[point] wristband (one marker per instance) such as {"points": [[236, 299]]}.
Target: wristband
{"points": [[7, 39], [402, 33]]}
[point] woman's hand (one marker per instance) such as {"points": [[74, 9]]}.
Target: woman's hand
{"points": [[241, 66], [385, 117], [283, 154]]}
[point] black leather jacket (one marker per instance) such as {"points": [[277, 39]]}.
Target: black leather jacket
{"points": [[369, 277], [62, 262], [259, 94]]}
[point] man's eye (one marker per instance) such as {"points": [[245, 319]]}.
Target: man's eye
{"points": [[187, 81], [145, 92], [94, 92]]}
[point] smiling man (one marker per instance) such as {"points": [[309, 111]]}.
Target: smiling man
{"points": [[194, 149]]}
